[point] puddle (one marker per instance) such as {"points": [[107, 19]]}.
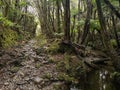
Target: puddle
{"points": [[97, 80]]}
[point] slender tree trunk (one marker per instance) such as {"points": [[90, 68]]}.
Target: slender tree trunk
{"points": [[58, 16], [87, 21], [115, 32], [72, 28], [78, 38], [53, 18]]}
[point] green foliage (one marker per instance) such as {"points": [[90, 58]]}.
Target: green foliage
{"points": [[64, 65], [71, 68], [94, 24], [67, 78], [115, 3], [5, 22], [116, 77], [81, 22], [47, 76], [74, 11], [23, 3], [1, 3], [54, 47], [58, 35], [51, 60], [8, 38], [38, 65], [41, 40], [93, 1], [113, 42]]}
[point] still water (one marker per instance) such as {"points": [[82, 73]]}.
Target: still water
{"points": [[97, 80]]}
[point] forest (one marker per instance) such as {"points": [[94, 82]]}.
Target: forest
{"points": [[59, 44]]}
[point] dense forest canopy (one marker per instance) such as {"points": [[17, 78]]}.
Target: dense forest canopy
{"points": [[78, 26]]}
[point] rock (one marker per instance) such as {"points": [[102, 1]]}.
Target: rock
{"points": [[20, 82], [27, 79], [17, 89], [21, 73], [45, 62], [38, 80], [6, 83]]}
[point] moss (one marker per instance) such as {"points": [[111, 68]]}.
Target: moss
{"points": [[64, 65], [65, 48], [54, 47], [60, 86], [41, 40], [113, 42], [51, 60], [37, 65], [71, 68], [57, 87], [47, 76], [67, 78], [8, 38], [116, 77], [14, 69]]}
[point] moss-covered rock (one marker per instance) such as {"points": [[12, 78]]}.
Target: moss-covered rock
{"points": [[8, 38]]}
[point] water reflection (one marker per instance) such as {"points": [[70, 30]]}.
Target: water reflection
{"points": [[96, 80]]}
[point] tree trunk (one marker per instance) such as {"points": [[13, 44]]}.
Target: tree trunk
{"points": [[78, 38], [58, 16], [87, 21], [66, 20], [103, 26], [72, 28], [115, 32]]}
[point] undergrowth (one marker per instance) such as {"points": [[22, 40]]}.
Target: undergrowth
{"points": [[41, 40], [71, 68], [8, 38]]}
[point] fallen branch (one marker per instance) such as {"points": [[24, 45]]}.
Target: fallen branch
{"points": [[99, 60]]}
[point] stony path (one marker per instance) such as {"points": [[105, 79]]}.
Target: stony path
{"points": [[29, 68]]}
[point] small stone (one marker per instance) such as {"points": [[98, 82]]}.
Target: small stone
{"points": [[17, 89], [20, 82], [21, 73], [38, 80], [27, 78], [6, 83]]}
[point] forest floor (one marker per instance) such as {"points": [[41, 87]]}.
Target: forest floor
{"points": [[25, 68], [29, 67]]}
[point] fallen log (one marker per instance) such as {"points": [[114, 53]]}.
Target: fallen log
{"points": [[91, 65], [99, 60]]}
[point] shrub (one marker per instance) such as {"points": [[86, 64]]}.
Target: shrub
{"points": [[8, 38]]}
